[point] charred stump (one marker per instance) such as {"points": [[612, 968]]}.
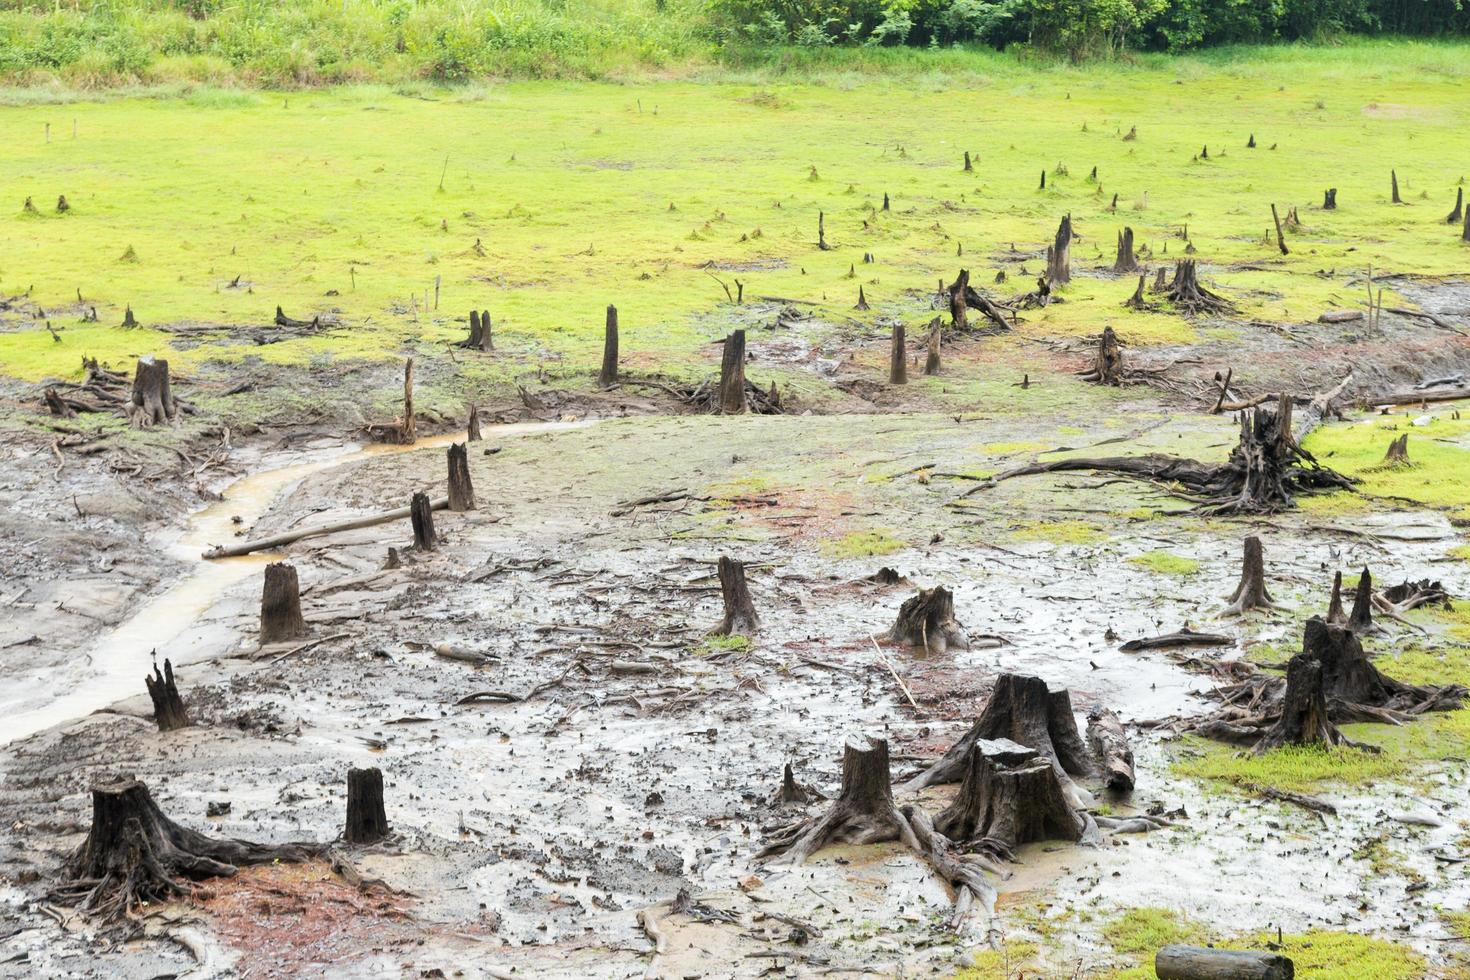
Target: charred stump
{"points": [[280, 604], [367, 822], [609, 374], [1009, 796], [135, 856], [1110, 745], [1304, 719], [461, 491], [1126, 262], [1251, 592], [740, 617], [421, 516], [1186, 293], [732, 375], [926, 620], [152, 401], [1107, 365], [168, 706], [898, 373], [863, 813], [1059, 255], [931, 361], [1329, 199]]}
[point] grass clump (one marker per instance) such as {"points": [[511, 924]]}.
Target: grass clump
{"points": [[1166, 563], [1145, 929], [1439, 454], [1059, 532], [1000, 964], [861, 544]]}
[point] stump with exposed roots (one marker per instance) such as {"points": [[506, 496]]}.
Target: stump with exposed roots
{"points": [[926, 620], [1059, 255], [1126, 261], [740, 617], [1251, 592], [168, 706], [1304, 719], [1186, 293], [461, 490], [1107, 364], [152, 401], [1009, 796], [479, 338], [367, 821], [135, 856], [280, 604]]}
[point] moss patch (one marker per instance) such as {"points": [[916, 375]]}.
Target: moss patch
{"points": [[1166, 563], [861, 544]]}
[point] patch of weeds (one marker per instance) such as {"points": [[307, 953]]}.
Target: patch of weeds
{"points": [[1000, 964], [1166, 563], [1143, 930], [734, 643], [1440, 449], [1059, 532], [861, 544]]}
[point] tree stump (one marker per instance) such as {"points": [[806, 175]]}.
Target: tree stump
{"points": [[421, 516], [897, 358], [740, 617], [479, 338], [931, 361], [408, 430], [1304, 719], [168, 706], [1280, 239], [1107, 364], [129, 321], [1059, 255], [461, 491], [1398, 452], [732, 375], [1110, 744], [1335, 614], [791, 791], [1186, 293], [1360, 620], [1329, 199], [367, 823], [1126, 262], [1453, 218], [472, 429], [280, 605], [1394, 177], [863, 812], [1009, 795], [1251, 592], [1179, 962], [1022, 710], [959, 307], [152, 401], [1465, 235], [926, 620], [1136, 301], [609, 374], [134, 855]]}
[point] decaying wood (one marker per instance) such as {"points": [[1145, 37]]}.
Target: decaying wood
{"points": [[461, 490], [732, 374], [1251, 592], [1329, 199], [1398, 452], [479, 338], [1110, 744], [1280, 239], [740, 617], [1107, 365], [960, 298], [168, 707], [608, 376], [472, 428], [1304, 719], [1180, 962], [1125, 262], [280, 605], [1183, 638], [367, 821], [152, 400], [927, 620], [1453, 218], [316, 530], [1186, 293], [1009, 795], [790, 791], [1059, 255], [931, 361], [897, 357], [421, 516]]}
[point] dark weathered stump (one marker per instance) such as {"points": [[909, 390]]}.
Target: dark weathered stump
{"points": [[1393, 175], [129, 321], [461, 491], [608, 376], [472, 428], [1107, 363], [1125, 262], [1009, 795], [791, 791], [1136, 301], [168, 706], [282, 320], [1398, 452], [1304, 719], [1110, 744], [931, 360], [926, 619], [1360, 620], [280, 604], [1251, 592], [408, 429], [1059, 255], [1465, 234], [367, 822], [1335, 614], [134, 855], [898, 372], [740, 617], [863, 812], [959, 307], [57, 405], [1187, 294], [421, 516], [1453, 218], [968, 165], [1180, 962], [732, 375], [1329, 199], [1280, 238], [152, 400]]}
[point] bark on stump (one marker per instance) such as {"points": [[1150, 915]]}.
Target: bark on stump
{"points": [[367, 822], [959, 307], [1398, 452], [1059, 255], [280, 604], [152, 399], [1136, 301], [926, 620], [732, 375], [1107, 364], [898, 373], [609, 374], [1179, 962], [1126, 262], [479, 338], [134, 855], [740, 617], [421, 516], [1329, 199], [168, 706], [1453, 218], [408, 430], [461, 491], [1360, 620], [1304, 718], [791, 791], [1110, 744], [472, 429], [1187, 294], [931, 361], [1010, 796], [1251, 592]]}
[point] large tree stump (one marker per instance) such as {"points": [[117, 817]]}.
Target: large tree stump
{"points": [[1110, 744], [1186, 293], [740, 617], [926, 620], [898, 370], [168, 706], [732, 375], [608, 376], [1011, 796], [863, 813], [931, 361], [1304, 719], [421, 516], [367, 822], [479, 338], [1360, 620], [1059, 255], [1251, 592], [152, 400], [461, 491], [1024, 711], [280, 604], [1107, 364], [1179, 962], [134, 855], [1125, 262]]}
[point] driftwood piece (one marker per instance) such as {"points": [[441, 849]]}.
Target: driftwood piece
{"points": [[315, 530], [1180, 962], [927, 620], [367, 821], [280, 604], [1110, 743], [461, 490], [740, 617], [1183, 638], [1251, 592], [168, 706]]}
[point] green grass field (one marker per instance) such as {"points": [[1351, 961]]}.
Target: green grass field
{"points": [[582, 194]]}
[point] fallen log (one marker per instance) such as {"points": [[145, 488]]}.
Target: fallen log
{"points": [[1183, 638], [1105, 735], [1180, 962], [288, 537]]}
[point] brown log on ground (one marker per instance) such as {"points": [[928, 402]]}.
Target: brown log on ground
{"points": [[732, 375], [152, 399], [1360, 620], [135, 856], [280, 605], [1398, 452], [1280, 239], [1453, 218], [472, 429], [1023, 710], [1126, 261], [1136, 301], [1329, 199], [740, 617], [1009, 795], [461, 491], [367, 822], [315, 530], [1186, 292], [926, 620], [1179, 962], [408, 430], [168, 706], [421, 515], [1059, 255], [898, 372], [1394, 176], [1107, 365], [1110, 744], [609, 374], [863, 812], [931, 360], [1251, 592]]}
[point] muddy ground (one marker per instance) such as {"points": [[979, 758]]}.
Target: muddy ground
{"points": [[529, 834]]}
